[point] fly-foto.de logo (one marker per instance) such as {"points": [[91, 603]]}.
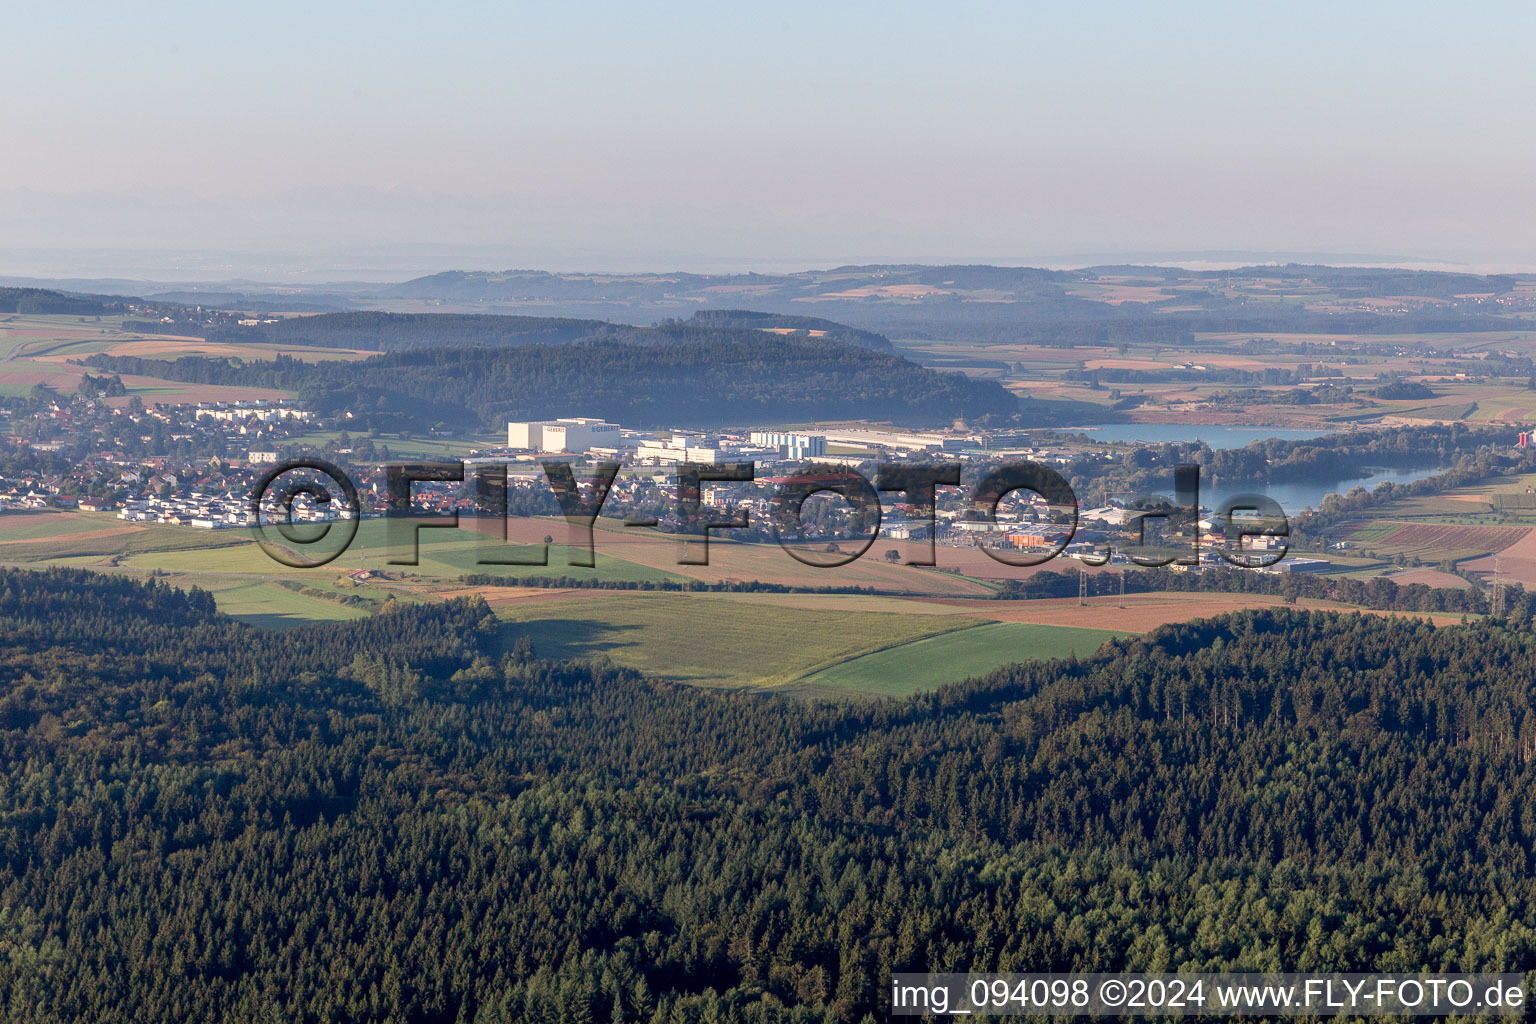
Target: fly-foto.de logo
{"points": [[306, 513]]}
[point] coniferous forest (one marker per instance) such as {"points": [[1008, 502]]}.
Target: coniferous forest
{"points": [[676, 375], [412, 817]]}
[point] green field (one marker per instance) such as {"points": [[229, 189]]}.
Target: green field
{"points": [[70, 537], [40, 525], [79, 538], [924, 664], [265, 604], [716, 639]]}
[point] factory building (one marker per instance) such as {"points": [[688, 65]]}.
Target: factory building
{"points": [[791, 446], [574, 434]]}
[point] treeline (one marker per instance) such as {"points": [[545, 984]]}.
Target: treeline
{"points": [[398, 332], [481, 579], [394, 332], [1378, 593], [699, 376], [412, 818]]}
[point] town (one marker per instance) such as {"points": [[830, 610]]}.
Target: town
{"points": [[195, 465]]}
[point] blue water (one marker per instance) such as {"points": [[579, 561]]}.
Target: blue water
{"points": [[1293, 497]]}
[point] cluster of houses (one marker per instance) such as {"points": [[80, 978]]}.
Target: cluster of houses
{"points": [[246, 412], [31, 496], [221, 511], [206, 511]]}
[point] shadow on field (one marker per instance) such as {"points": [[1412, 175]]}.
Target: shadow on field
{"points": [[572, 638]]}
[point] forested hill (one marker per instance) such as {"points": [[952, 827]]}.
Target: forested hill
{"points": [[683, 376], [412, 818], [45, 301], [396, 332]]}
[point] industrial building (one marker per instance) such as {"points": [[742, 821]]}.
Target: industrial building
{"points": [[574, 434], [896, 440], [791, 446]]}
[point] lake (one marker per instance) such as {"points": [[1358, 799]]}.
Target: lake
{"points": [[1293, 497]]}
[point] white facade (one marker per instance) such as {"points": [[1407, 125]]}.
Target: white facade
{"points": [[573, 434], [896, 440], [792, 446], [239, 412]]}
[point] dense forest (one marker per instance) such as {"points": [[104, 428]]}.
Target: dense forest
{"points": [[683, 376], [395, 332], [44, 301], [413, 818]]}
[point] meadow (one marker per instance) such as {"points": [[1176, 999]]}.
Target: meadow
{"points": [[38, 350], [726, 640], [267, 605], [933, 661]]}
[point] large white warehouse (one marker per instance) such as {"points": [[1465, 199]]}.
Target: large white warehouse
{"points": [[569, 434]]}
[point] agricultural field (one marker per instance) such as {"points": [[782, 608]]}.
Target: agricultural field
{"points": [[732, 561], [441, 554], [175, 348], [727, 640], [1515, 563], [1450, 364], [267, 605], [248, 584], [926, 627], [836, 646], [715, 639], [1436, 542], [924, 664], [37, 350], [50, 536]]}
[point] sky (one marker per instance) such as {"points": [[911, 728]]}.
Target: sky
{"points": [[715, 136]]}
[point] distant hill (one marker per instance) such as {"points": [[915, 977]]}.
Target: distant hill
{"points": [[987, 304], [314, 303], [402, 332], [395, 332], [43, 301], [673, 375]]}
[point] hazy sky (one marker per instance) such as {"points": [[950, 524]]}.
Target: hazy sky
{"points": [[602, 134]]}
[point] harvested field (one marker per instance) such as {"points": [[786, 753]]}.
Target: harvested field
{"points": [[173, 348], [1448, 538], [498, 597], [1428, 577], [1516, 562], [109, 531]]}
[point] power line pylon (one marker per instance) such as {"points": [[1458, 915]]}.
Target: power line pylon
{"points": [[1497, 605]]}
